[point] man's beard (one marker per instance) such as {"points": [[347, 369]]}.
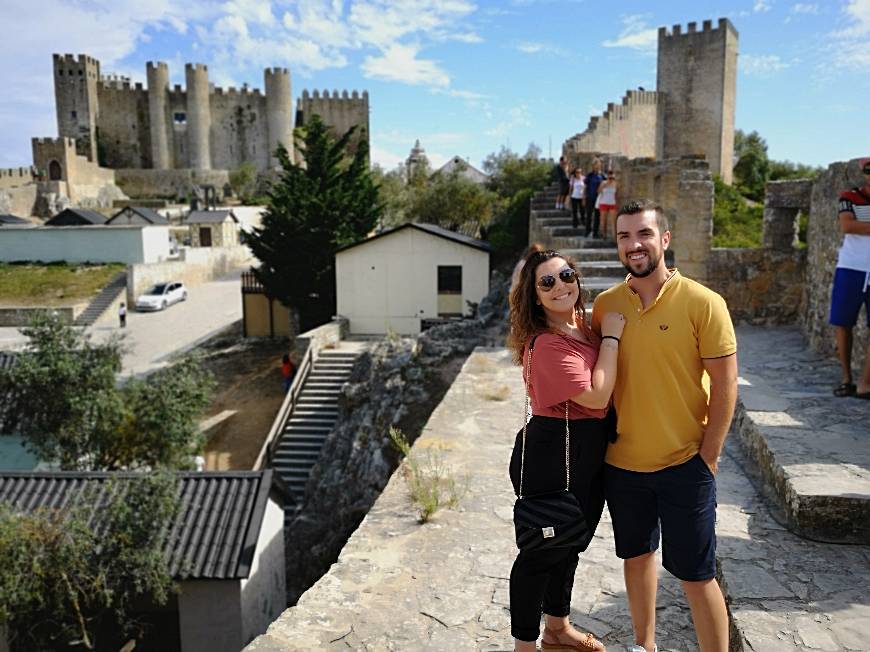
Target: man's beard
{"points": [[651, 266]]}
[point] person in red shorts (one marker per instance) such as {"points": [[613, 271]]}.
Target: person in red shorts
{"points": [[852, 282]]}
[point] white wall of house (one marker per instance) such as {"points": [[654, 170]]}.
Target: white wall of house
{"points": [[264, 592], [209, 616], [78, 244], [391, 282]]}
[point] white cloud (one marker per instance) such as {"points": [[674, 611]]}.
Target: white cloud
{"points": [[762, 6], [387, 159], [762, 65], [400, 63], [534, 47], [857, 32], [636, 34], [804, 8], [516, 117]]}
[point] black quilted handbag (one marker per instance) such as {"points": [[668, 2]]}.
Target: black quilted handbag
{"points": [[548, 520]]}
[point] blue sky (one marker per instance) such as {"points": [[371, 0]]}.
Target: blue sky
{"points": [[463, 76]]}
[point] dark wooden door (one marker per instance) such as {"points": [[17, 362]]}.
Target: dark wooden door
{"points": [[204, 236]]}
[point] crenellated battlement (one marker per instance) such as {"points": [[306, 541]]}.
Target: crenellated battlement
{"points": [[157, 65], [276, 71], [52, 142], [315, 95], [232, 91], [707, 29], [15, 177], [71, 59], [198, 68]]}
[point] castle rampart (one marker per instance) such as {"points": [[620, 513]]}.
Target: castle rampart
{"points": [[16, 177], [340, 112], [158, 114], [626, 129], [75, 91]]}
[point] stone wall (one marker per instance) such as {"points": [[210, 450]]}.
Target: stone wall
{"points": [[823, 241], [341, 112], [16, 177], [19, 201], [239, 128], [194, 267], [124, 138], [174, 184], [627, 129], [18, 317]]}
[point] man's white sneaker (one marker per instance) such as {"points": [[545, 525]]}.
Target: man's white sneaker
{"points": [[640, 648]]}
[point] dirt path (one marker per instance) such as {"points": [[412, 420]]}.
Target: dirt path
{"points": [[247, 398]]}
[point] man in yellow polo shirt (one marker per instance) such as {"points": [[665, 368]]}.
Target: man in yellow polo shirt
{"points": [[675, 392]]}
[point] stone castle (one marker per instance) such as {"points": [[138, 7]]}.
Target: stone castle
{"points": [[202, 127], [691, 112], [160, 141]]}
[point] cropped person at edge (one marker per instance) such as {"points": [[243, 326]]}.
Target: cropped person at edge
{"points": [[573, 367]]}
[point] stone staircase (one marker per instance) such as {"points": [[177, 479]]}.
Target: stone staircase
{"points": [[106, 297], [312, 419], [598, 259]]}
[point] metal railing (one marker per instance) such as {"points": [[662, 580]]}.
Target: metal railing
{"points": [[287, 407]]}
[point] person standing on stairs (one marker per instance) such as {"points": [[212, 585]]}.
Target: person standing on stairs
{"points": [[560, 173], [569, 375], [675, 392], [852, 282], [578, 189], [607, 194], [593, 180]]}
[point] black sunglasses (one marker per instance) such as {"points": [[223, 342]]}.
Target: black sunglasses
{"points": [[548, 281]]}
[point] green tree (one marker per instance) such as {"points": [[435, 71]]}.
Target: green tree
{"points": [[787, 170], [73, 412], [327, 201], [511, 173], [243, 181], [454, 202], [736, 222], [395, 194], [752, 169], [72, 575]]}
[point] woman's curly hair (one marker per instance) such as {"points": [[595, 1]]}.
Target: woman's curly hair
{"points": [[526, 316]]}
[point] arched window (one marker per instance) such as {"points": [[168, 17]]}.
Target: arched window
{"points": [[54, 171]]}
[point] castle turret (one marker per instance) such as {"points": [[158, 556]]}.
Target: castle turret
{"points": [[75, 95], [697, 74], [158, 114], [198, 116], [279, 111]]}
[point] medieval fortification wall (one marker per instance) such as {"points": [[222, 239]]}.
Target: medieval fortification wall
{"points": [[691, 113]]}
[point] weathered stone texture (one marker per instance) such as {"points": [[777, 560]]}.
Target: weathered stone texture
{"points": [[124, 126], [626, 129], [172, 184]]}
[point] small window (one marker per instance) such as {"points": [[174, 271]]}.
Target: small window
{"points": [[73, 114], [180, 118], [449, 279], [80, 73]]}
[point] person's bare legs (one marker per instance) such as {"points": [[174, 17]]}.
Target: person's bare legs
{"points": [[641, 582], [525, 646], [709, 614], [864, 383], [844, 351]]}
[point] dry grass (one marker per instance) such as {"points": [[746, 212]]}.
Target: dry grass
{"points": [[53, 285]]}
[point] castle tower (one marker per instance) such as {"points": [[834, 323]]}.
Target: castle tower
{"points": [[416, 160], [75, 96], [697, 73], [158, 114], [198, 116], [279, 111]]}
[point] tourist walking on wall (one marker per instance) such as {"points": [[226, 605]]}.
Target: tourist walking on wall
{"points": [[569, 373], [560, 174], [593, 180], [852, 282], [607, 197], [122, 315], [578, 189], [660, 472], [288, 370]]}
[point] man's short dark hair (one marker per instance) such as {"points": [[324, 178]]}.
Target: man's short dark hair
{"points": [[642, 205]]}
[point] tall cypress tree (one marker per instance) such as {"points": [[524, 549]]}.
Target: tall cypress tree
{"points": [[327, 201]]}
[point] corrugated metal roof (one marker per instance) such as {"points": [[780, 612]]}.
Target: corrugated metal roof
{"points": [[214, 535], [209, 217], [146, 214], [428, 228], [12, 219]]}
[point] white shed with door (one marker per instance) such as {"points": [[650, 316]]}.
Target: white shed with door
{"points": [[399, 277]]}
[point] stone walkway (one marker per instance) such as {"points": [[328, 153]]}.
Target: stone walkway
{"points": [[398, 585]]}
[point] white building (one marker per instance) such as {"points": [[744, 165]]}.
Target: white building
{"points": [[396, 279]]}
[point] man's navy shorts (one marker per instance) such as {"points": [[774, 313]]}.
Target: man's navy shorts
{"points": [[677, 503], [851, 289]]}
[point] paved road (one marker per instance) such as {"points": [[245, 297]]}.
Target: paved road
{"points": [[152, 339]]}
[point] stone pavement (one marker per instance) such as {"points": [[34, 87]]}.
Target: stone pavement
{"points": [[154, 338], [398, 585]]}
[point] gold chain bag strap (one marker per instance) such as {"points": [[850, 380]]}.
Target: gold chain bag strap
{"points": [[553, 519]]}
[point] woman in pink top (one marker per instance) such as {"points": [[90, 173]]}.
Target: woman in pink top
{"points": [[571, 366]]}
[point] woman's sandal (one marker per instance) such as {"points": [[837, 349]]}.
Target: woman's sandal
{"points": [[587, 644], [846, 389]]}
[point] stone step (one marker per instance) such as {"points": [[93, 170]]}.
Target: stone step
{"points": [[596, 285], [600, 268], [317, 402], [551, 213], [303, 412], [810, 450], [592, 253], [302, 444]]}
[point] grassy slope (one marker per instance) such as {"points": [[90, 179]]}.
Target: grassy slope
{"points": [[52, 285]]}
